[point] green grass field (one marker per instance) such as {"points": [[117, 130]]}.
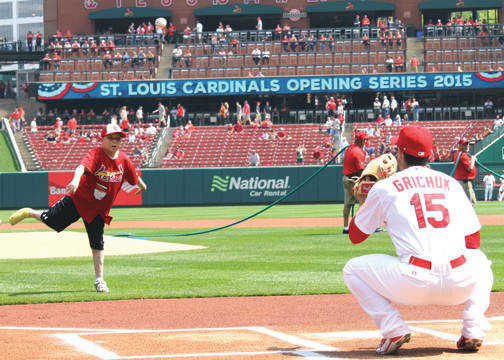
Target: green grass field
{"points": [[236, 262], [7, 161]]}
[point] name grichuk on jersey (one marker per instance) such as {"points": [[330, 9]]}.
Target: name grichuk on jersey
{"points": [[426, 213]]}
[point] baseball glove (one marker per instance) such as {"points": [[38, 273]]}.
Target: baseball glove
{"points": [[377, 169]]}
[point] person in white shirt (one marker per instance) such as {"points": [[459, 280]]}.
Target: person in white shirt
{"points": [[386, 106], [151, 130], [256, 56], [397, 120], [388, 120], [199, 30], [377, 106], [254, 158], [393, 105], [501, 187], [436, 235], [177, 55], [497, 122], [33, 126], [489, 181], [370, 131], [131, 137], [259, 25], [139, 114]]}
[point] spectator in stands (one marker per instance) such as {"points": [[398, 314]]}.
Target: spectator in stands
{"points": [[285, 43], [415, 109], [75, 48], [256, 55], [399, 64], [125, 125], [365, 25], [365, 41], [222, 56], [171, 33], [385, 106], [246, 112], [51, 137], [199, 31], [489, 107], [107, 60], [393, 105], [238, 127], [176, 56], [38, 41], [142, 57], [180, 114], [139, 115], [377, 106], [266, 57], [414, 64], [389, 63], [117, 60], [72, 125], [188, 58], [238, 112], [254, 158], [29, 40], [498, 122], [33, 126], [161, 111], [300, 153], [259, 25], [56, 61], [151, 130], [45, 63]]}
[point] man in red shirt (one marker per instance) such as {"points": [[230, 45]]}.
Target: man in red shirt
{"points": [[91, 193], [72, 125], [353, 164], [465, 172]]}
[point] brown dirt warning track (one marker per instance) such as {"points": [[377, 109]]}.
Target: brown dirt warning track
{"points": [[255, 328], [255, 222]]}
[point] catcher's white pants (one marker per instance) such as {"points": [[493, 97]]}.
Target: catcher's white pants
{"points": [[378, 280], [501, 193], [488, 193]]}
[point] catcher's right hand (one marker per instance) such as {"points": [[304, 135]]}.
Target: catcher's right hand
{"points": [[377, 169]]}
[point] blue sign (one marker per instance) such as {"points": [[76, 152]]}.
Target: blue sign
{"points": [[273, 85]]}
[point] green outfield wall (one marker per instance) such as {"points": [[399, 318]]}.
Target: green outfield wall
{"points": [[213, 186]]}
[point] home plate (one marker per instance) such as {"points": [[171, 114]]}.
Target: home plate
{"points": [[46, 244]]}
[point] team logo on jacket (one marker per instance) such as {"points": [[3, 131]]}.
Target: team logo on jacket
{"points": [[105, 175]]}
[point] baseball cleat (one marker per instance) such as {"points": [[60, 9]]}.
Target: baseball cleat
{"points": [[390, 346], [19, 215], [345, 231], [470, 345], [101, 285]]}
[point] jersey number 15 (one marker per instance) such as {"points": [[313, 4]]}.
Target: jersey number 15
{"points": [[430, 207]]}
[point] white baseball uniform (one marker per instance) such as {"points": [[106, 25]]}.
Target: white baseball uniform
{"points": [[429, 220], [501, 189], [489, 181]]}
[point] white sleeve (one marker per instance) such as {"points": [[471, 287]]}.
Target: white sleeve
{"points": [[371, 214], [470, 223]]}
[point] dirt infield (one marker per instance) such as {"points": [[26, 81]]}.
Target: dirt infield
{"points": [[275, 327], [252, 223]]}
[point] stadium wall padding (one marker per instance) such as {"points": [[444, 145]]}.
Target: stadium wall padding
{"points": [[215, 186], [23, 189]]}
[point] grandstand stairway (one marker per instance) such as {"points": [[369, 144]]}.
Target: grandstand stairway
{"points": [[415, 47], [165, 62], [27, 155]]}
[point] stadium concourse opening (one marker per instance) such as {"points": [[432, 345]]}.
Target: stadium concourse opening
{"points": [[342, 13], [117, 20], [239, 16]]}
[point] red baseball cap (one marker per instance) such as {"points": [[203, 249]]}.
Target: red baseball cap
{"points": [[361, 135], [415, 141], [112, 129], [463, 141]]}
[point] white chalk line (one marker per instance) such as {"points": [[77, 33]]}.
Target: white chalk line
{"points": [[92, 348]]}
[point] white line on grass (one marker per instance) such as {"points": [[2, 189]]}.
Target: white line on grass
{"points": [[87, 346]]}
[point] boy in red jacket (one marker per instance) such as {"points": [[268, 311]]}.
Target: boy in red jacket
{"points": [[91, 193]]}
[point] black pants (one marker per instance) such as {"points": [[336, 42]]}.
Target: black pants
{"points": [[64, 213]]}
